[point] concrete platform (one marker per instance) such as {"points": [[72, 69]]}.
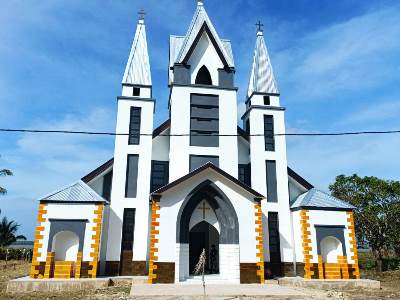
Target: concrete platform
{"points": [[328, 284], [27, 284], [191, 291]]}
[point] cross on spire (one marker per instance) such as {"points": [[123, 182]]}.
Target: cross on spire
{"points": [[141, 14], [259, 26]]}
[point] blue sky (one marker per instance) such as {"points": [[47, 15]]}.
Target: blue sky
{"points": [[337, 64]]}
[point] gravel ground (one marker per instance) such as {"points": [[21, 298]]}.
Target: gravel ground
{"points": [[390, 288]]}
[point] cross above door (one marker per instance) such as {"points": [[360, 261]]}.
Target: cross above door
{"points": [[204, 208]]}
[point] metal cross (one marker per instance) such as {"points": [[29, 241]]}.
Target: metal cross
{"points": [[141, 14], [204, 208], [259, 26]]}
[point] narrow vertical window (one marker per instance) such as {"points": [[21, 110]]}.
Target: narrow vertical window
{"points": [[269, 133], [159, 174], [134, 126], [107, 181], [244, 172], [274, 243], [272, 194], [131, 176], [204, 120], [128, 231], [136, 91], [267, 100]]}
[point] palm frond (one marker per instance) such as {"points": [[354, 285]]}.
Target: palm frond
{"points": [[5, 172]]}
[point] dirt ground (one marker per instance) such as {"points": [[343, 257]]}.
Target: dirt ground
{"points": [[390, 287]]}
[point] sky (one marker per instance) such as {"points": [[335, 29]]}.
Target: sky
{"points": [[337, 65]]}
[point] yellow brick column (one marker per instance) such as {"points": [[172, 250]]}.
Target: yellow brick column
{"points": [[259, 241], [49, 268], [78, 265], [353, 243], [320, 267], [38, 244], [154, 232], [344, 267], [95, 247], [306, 238]]}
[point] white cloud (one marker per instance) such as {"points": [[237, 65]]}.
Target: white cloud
{"points": [[349, 56]]}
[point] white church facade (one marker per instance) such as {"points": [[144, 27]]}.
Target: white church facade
{"points": [[198, 181]]}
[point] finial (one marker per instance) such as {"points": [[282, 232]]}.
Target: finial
{"points": [[259, 27], [200, 2], [141, 14]]}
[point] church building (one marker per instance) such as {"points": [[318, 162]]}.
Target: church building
{"points": [[196, 182]]}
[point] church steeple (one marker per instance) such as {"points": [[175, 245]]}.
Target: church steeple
{"points": [[137, 71], [262, 78]]}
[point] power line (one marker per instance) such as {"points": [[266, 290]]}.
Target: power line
{"points": [[198, 134]]}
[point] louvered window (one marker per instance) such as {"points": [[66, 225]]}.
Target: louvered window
{"points": [[134, 126]]}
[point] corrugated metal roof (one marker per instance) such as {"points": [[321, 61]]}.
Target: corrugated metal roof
{"points": [[262, 78], [76, 192], [318, 199], [200, 17], [137, 69]]}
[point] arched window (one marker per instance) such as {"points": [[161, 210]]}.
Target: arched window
{"points": [[65, 245], [203, 76], [331, 248]]}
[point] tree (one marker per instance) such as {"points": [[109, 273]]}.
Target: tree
{"points": [[8, 232], [4, 172], [377, 210]]}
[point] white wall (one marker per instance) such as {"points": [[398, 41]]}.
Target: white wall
{"points": [[161, 147], [180, 148], [205, 55], [258, 173], [73, 211], [118, 200], [320, 217]]}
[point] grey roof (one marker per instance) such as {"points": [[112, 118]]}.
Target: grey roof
{"points": [[317, 199], [262, 78], [179, 46], [76, 192], [137, 69]]}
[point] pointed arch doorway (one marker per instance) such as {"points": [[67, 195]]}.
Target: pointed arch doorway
{"points": [[204, 236]]}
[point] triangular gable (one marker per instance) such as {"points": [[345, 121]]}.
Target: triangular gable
{"points": [[201, 23], [76, 192], [212, 167]]}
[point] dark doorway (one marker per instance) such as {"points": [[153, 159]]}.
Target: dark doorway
{"points": [[203, 76], [204, 236], [128, 228]]}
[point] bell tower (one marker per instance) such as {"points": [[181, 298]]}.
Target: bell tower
{"points": [[132, 160], [263, 120]]}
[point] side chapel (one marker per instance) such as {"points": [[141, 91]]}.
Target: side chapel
{"points": [[198, 181]]}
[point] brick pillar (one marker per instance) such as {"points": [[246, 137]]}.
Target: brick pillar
{"points": [[95, 247], [306, 238], [49, 268], [353, 244], [259, 241], [78, 265], [154, 232], [38, 244], [320, 268]]}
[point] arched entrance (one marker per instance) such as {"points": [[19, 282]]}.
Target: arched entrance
{"points": [[204, 236], [331, 248], [65, 246], [226, 224]]}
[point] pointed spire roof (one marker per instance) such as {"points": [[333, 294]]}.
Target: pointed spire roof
{"points": [[137, 69], [262, 78], [201, 22]]}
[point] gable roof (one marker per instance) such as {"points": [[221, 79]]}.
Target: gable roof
{"points": [[303, 182], [262, 78], [96, 172], [137, 69], [316, 199], [182, 47], [74, 193], [212, 167]]}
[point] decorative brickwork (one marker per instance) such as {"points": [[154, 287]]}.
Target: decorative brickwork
{"points": [[95, 246], [259, 242], [36, 270], [78, 265], [307, 248], [49, 268], [355, 272], [154, 231]]}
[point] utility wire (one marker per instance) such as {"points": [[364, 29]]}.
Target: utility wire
{"points": [[198, 134]]}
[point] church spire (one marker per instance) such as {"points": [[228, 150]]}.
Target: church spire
{"points": [[137, 69], [262, 78]]}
